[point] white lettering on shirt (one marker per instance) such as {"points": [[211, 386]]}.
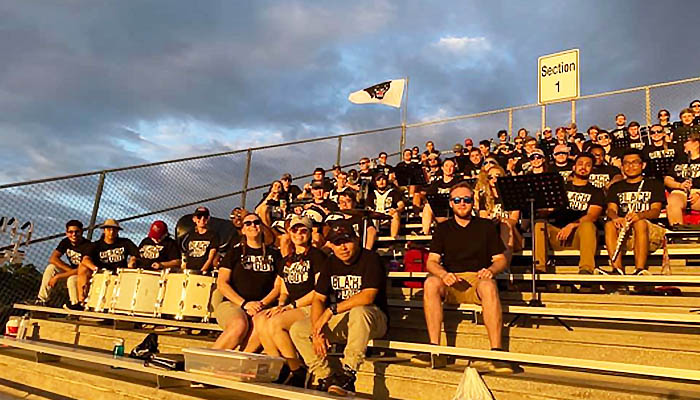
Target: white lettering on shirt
{"points": [[634, 202], [258, 263], [297, 272], [112, 255], [197, 248], [346, 286], [578, 201], [73, 256], [150, 252]]}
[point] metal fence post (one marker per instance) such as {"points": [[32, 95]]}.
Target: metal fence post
{"points": [[543, 116], [96, 205], [647, 95], [402, 144], [510, 123], [573, 111], [340, 150], [246, 176]]}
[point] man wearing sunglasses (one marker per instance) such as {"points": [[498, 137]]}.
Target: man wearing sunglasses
{"points": [[74, 246], [547, 142], [684, 182], [618, 134], [613, 155], [695, 106], [523, 165], [573, 227], [660, 153], [200, 245], [562, 164], [466, 253]]}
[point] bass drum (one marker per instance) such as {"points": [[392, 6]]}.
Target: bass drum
{"points": [[187, 295], [136, 292], [316, 214], [99, 297]]}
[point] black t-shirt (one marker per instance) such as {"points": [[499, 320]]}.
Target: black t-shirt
{"points": [[291, 194], [661, 160], [407, 173], [498, 211], [151, 252], [625, 195], [441, 187], [252, 273], [298, 271], [462, 162], [113, 256], [339, 281], [74, 253], [564, 170], [601, 175], [580, 198], [333, 194], [637, 143], [688, 169], [466, 249], [619, 137], [383, 201], [385, 169], [197, 247]]}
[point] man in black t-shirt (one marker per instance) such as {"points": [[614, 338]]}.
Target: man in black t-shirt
{"points": [[441, 186], [660, 155], [291, 192], [349, 305], [466, 253], [201, 245], [74, 247], [386, 199], [382, 166], [602, 175], [158, 250], [347, 201], [631, 204], [683, 180], [574, 226], [461, 159], [562, 164], [110, 252]]}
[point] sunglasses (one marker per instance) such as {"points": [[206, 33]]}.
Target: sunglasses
{"points": [[494, 176], [257, 222], [518, 142], [490, 162], [561, 153], [74, 231], [201, 216], [656, 132], [536, 157], [301, 230], [363, 162], [603, 137], [695, 105], [460, 200]]}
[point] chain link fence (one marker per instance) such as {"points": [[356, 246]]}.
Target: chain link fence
{"points": [[138, 195]]}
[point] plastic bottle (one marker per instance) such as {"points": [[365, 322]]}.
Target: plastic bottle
{"points": [[22, 329], [118, 348]]}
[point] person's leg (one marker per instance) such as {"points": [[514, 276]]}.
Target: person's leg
{"points": [[641, 243], [44, 290], [611, 233], [72, 285], [433, 293], [278, 330], [395, 224], [540, 246], [234, 320], [585, 241], [364, 323], [506, 231], [492, 313], [258, 335], [84, 274], [300, 332], [426, 218], [371, 237], [675, 204]]}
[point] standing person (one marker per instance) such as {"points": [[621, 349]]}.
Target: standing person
{"points": [[158, 250], [619, 132], [573, 227], [110, 252], [299, 272], [200, 245], [387, 199], [684, 181], [74, 246], [461, 160], [633, 202], [349, 305], [291, 191], [466, 253], [248, 281], [603, 174], [682, 131]]}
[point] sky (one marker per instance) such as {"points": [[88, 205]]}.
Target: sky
{"points": [[89, 85]]}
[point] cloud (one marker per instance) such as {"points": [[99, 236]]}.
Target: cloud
{"points": [[463, 45]]}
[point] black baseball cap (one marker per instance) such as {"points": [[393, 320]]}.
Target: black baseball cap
{"points": [[341, 233], [317, 185], [201, 211]]}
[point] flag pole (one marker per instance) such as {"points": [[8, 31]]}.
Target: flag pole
{"points": [[404, 111]]}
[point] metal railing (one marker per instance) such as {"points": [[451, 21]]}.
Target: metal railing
{"points": [[136, 195]]}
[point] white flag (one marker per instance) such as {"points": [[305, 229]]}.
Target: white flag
{"points": [[389, 93]]}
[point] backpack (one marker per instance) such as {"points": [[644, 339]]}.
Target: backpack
{"points": [[415, 260]]}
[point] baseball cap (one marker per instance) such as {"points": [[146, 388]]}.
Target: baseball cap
{"points": [[380, 176], [561, 148], [110, 223], [317, 185], [286, 176], [546, 128], [457, 147], [536, 152], [468, 142], [158, 230], [300, 219], [341, 233], [201, 211]]}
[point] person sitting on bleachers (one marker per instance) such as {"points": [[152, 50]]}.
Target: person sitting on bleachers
{"points": [[430, 149], [348, 201], [485, 148], [664, 117], [505, 155], [682, 130], [299, 272], [619, 132], [415, 154], [475, 161], [74, 246], [695, 106], [441, 186], [407, 174], [273, 205], [633, 202], [110, 252], [349, 306], [201, 245], [660, 149], [525, 163], [613, 155], [249, 284], [574, 226], [387, 200], [592, 138], [489, 204], [341, 184], [522, 133], [634, 136], [547, 142], [502, 137], [468, 146], [319, 175], [291, 191], [466, 253], [603, 174], [158, 250], [562, 163], [383, 166], [433, 172], [684, 181], [461, 159]]}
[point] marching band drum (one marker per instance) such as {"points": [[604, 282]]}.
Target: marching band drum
{"points": [[179, 294]]}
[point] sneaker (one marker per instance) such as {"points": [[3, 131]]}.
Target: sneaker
{"points": [[494, 366], [423, 359], [297, 378], [585, 272], [641, 272], [343, 383], [284, 375], [34, 302], [614, 271], [73, 307]]}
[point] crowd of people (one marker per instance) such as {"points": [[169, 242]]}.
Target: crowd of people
{"points": [[300, 271]]}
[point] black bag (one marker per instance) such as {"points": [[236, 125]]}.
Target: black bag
{"points": [[171, 362], [147, 347]]}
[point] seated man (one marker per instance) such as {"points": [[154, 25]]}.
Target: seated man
{"points": [[602, 174], [441, 186], [386, 199], [74, 246], [573, 227], [660, 152], [382, 165], [158, 250], [201, 245], [632, 203], [347, 200], [341, 184], [291, 191], [349, 305], [110, 252], [684, 181], [466, 253], [318, 210], [319, 175], [562, 164]]}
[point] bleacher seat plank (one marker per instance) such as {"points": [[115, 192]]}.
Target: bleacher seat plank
{"points": [[631, 279], [553, 361], [102, 358]]}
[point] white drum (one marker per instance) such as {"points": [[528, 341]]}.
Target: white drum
{"points": [[187, 295], [136, 292], [99, 297]]}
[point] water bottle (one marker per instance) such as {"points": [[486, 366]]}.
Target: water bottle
{"points": [[118, 350], [22, 329]]}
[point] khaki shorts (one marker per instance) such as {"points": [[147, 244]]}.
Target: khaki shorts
{"points": [[463, 292], [227, 311], [657, 234], [306, 310]]}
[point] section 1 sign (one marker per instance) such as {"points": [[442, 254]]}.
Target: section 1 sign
{"points": [[558, 77]]}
